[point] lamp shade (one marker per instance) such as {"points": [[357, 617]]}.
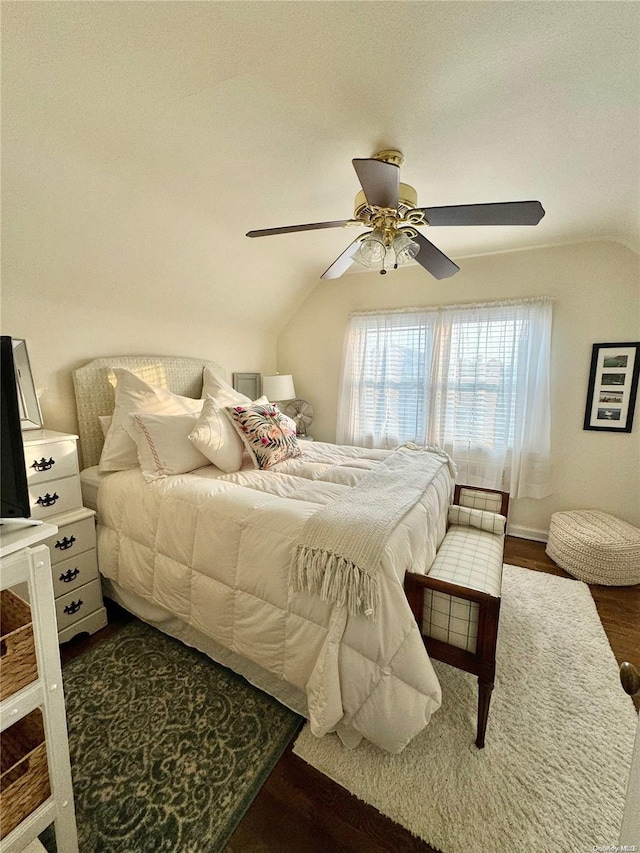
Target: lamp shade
{"points": [[278, 387]]}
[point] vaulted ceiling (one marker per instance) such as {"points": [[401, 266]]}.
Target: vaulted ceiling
{"points": [[176, 127]]}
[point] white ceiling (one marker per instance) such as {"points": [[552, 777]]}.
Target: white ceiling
{"points": [[246, 115]]}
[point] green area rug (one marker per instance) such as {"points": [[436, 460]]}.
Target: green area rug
{"points": [[168, 749]]}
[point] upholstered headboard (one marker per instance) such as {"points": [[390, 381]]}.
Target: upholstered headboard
{"points": [[95, 393]]}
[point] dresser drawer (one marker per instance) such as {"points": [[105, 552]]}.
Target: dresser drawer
{"points": [[50, 460], [72, 539], [74, 572], [54, 496], [78, 603]]}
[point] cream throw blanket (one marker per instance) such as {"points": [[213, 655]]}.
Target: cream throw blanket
{"points": [[341, 545]]}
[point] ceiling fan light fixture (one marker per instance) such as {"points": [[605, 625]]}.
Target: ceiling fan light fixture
{"points": [[372, 249], [405, 249]]}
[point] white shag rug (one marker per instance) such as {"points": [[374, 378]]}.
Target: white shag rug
{"points": [[553, 774]]}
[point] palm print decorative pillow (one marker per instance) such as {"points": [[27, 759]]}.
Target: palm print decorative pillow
{"points": [[266, 432]]}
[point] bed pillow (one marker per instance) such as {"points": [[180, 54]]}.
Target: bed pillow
{"points": [[265, 433], [213, 386], [105, 423], [290, 422], [133, 394], [215, 436], [154, 374], [163, 444]]}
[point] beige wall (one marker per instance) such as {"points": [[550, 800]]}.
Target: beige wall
{"points": [[596, 290], [65, 327]]}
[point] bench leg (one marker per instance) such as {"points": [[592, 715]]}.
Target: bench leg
{"points": [[485, 689]]}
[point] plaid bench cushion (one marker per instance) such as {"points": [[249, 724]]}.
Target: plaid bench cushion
{"points": [[480, 499], [468, 557], [492, 522]]}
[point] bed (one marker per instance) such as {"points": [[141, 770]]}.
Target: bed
{"points": [[205, 556]]}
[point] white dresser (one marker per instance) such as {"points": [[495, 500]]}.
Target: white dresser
{"points": [[51, 460]]}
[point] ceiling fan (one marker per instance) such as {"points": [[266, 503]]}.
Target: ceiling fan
{"points": [[389, 208]]}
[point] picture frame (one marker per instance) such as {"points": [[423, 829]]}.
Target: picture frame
{"points": [[613, 387], [249, 384], [28, 403]]}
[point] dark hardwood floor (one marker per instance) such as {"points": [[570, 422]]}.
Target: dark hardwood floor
{"points": [[299, 809]]}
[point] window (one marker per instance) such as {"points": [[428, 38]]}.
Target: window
{"points": [[473, 380]]}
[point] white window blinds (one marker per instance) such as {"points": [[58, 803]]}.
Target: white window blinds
{"points": [[471, 379]]}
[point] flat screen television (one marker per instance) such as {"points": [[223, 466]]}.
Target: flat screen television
{"points": [[14, 494]]}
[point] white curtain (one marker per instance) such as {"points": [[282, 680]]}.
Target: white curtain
{"points": [[473, 379]]}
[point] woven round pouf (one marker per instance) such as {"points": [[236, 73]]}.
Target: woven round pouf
{"points": [[595, 547]]}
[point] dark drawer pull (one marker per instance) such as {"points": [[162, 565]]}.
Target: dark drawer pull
{"points": [[43, 464], [48, 500], [64, 544], [74, 606], [70, 575]]}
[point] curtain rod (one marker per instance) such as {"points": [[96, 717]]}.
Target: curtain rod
{"points": [[535, 300]]}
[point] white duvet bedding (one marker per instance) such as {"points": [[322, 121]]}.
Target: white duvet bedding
{"points": [[215, 550]]}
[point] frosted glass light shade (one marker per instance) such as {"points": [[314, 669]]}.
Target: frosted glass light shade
{"points": [[405, 248], [278, 387], [371, 251]]}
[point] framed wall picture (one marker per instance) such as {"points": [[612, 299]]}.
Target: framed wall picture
{"points": [[613, 386], [248, 384]]}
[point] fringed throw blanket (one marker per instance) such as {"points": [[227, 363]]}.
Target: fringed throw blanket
{"points": [[341, 546]]}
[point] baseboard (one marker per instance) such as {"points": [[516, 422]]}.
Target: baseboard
{"points": [[527, 533]]}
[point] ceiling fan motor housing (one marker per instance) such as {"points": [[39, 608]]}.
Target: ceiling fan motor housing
{"points": [[407, 200], [390, 155]]}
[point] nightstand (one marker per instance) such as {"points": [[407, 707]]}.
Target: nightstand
{"points": [[53, 476]]}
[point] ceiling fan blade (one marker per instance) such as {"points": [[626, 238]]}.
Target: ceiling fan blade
{"points": [[380, 181], [288, 229], [433, 260], [499, 213], [342, 263]]}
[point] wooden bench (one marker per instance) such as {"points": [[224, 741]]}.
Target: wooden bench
{"points": [[457, 605]]}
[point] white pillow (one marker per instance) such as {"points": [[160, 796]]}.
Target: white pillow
{"points": [[154, 374], [215, 436], [213, 386], [163, 444], [105, 423], [288, 421], [135, 395]]}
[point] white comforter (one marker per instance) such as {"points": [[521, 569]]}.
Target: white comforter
{"points": [[215, 550]]}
